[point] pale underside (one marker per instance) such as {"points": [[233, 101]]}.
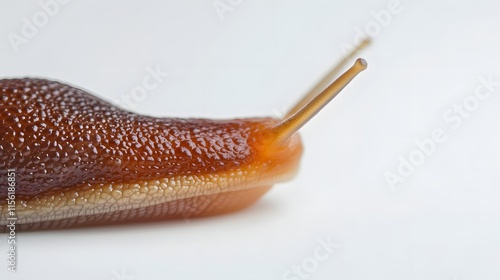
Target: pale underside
{"points": [[174, 197]]}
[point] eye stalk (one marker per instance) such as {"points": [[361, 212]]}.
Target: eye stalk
{"points": [[298, 118], [327, 79]]}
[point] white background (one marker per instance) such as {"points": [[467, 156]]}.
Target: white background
{"points": [[441, 223]]}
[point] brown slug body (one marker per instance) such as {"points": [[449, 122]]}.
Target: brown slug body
{"points": [[79, 160]]}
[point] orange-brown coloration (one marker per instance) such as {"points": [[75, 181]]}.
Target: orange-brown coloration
{"points": [[69, 147], [79, 160], [58, 137]]}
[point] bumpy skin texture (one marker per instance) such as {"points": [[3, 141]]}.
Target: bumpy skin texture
{"points": [[57, 136]]}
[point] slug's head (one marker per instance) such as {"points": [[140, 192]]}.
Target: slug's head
{"points": [[82, 161], [279, 146]]}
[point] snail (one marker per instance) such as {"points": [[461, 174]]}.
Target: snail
{"points": [[72, 159]]}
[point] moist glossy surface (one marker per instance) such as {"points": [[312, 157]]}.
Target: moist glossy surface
{"points": [[57, 136]]}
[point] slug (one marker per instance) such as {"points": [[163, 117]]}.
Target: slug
{"points": [[73, 159]]}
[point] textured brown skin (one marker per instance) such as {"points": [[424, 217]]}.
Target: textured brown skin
{"points": [[58, 137]]}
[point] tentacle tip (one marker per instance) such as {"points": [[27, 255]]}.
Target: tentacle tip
{"points": [[361, 64], [367, 41]]}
